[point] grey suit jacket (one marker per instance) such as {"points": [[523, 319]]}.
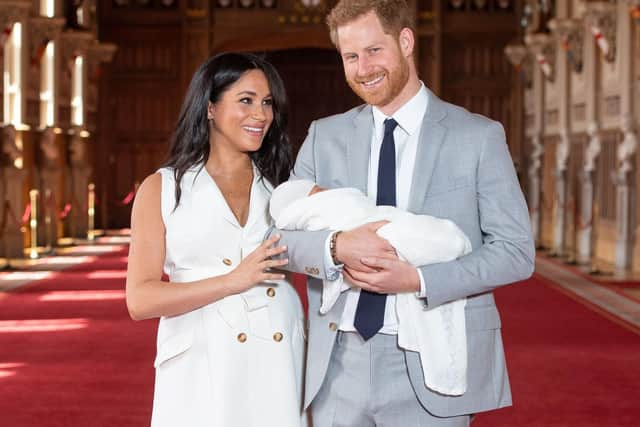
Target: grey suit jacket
{"points": [[463, 172]]}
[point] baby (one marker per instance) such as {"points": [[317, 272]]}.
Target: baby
{"points": [[417, 239]]}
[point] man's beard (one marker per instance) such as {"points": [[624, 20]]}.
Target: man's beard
{"points": [[396, 80]]}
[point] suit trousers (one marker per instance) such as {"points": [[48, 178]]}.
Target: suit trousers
{"points": [[367, 385]]}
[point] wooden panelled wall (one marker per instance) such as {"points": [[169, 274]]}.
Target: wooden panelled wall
{"points": [[460, 57]]}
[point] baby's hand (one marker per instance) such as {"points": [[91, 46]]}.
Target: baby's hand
{"points": [[315, 189]]}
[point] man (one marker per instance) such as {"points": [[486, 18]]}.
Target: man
{"points": [[430, 158]]}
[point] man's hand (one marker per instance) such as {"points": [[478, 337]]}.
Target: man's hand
{"points": [[353, 245], [389, 276]]}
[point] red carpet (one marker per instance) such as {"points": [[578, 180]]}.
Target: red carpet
{"points": [[70, 356], [568, 365], [75, 359]]}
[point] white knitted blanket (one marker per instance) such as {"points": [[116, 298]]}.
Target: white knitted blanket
{"points": [[437, 334]]}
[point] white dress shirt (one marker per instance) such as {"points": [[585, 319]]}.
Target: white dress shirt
{"points": [[406, 137]]}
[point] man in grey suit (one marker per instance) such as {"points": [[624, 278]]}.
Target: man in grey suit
{"points": [[404, 147]]}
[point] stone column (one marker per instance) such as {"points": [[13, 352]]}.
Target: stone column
{"points": [[561, 28], [560, 173], [588, 215], [12, 11], [99, 57], [538, 47], [534, 185], [626, 151], [80, 173], [624, 239], [41, 31], [585, 226], [50, 189], [13, 204]]}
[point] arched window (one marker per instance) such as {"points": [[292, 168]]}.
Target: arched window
{"points": [[47, 79], [77, 92], [12, 78], [47, 8]]}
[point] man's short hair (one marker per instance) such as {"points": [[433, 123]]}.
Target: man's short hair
{"points": [[394, 15]]}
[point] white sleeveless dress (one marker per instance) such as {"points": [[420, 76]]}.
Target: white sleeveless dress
{"points": [[237, 361]]}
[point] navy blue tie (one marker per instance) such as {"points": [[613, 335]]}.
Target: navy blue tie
{"points": [[370, 310]]}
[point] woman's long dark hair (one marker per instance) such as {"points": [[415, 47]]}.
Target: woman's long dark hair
{"points": [[189, 144]]}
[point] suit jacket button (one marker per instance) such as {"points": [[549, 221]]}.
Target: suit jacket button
{"points": [[277, 337], [271, 292], [242, 337], [333, 326], [226, 261]]}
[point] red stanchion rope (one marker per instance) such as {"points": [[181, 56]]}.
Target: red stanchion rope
{"points": [[26, 214], [64, 212], [126, 200]]}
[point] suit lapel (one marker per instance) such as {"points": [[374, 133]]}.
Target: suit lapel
{"points": [[359, 149], [432, 137]]}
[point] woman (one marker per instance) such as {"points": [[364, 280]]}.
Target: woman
{"points": [[230, 339]]}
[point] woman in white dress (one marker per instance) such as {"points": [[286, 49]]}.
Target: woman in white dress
{"points": [[231, 332]]}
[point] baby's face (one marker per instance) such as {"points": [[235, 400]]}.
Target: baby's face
{"points": [[316, 189]]}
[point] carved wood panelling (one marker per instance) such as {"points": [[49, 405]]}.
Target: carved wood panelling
{"points": [[552, 117], [132, 161], [145, 109], [575, 167], [579, 112], [427, 60], [478, 76], [548, 196], [146, 54], [612, 106], [144, 93], [606, 189], [196, 51]]}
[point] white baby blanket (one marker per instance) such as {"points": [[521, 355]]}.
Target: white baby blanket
{"points": [[437, 334]]}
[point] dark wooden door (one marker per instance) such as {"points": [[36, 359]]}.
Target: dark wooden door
{"points": [[315, 85]]}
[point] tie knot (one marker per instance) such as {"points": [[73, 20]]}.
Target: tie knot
{"points": [[389, 126]]}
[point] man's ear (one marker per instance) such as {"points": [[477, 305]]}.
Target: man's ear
{"points": [[407, 41], [211, 109]]}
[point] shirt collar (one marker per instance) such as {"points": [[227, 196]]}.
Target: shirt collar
{"points": [[409, 116]]}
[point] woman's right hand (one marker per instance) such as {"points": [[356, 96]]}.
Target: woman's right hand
{"points": [[255, 267]]}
